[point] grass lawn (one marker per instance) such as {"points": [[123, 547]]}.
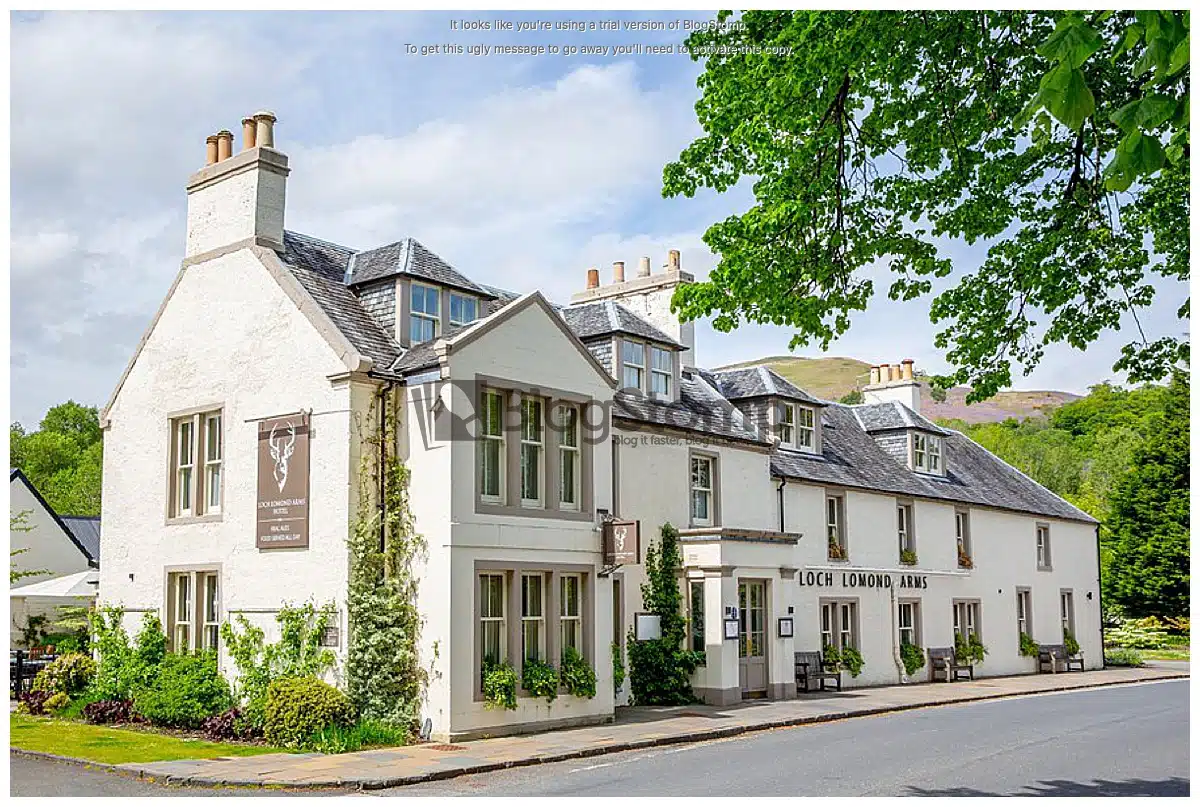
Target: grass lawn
{"points": [[1178, 653], [115, 746]]}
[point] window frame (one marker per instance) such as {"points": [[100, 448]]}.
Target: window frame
{"points": [[838, 619], [969, 611], [808, 429], [627, 365], [913, 608], [539, 620], [695, 590], [484, 618], [462, 298], [657, 373], [699, 460], [210, 628], [189, 623], [837, 527], [487, 439], [1066, 608], [570, 454], [904, 527], [962, 536], [1044, 550], [926, 452], [536, 443], [1024, 613], [202, 474], [424, 316], [787, 424], [565, 619]]}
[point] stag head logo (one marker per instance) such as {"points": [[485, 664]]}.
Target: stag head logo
{"points": [[281, 452]]}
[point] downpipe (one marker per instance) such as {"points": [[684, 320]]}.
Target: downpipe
{"points": [[896, 637]]}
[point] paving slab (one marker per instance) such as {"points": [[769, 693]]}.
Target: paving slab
{"points": [[634, 727]]}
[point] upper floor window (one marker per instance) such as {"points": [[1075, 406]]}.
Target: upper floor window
{"points": [[702, 491], [787, 424], [1043, 546], [568, 459], [463, 309], [835, 527], [962, 537], [633, 359], [662, 369], [531, 452], [424, 313], [927, 452], [904, 519], [806, 432], [197, 455], [491, 448]]}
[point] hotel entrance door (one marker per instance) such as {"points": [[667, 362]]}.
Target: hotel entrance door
{"points": [[752, 638]]}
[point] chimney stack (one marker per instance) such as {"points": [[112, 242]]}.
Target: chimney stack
{"points": [[618, 271], [644, 267], [894, 382], [673, 260], [593, 278], [238, 199], [249, 129]]}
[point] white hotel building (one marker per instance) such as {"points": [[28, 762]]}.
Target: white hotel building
{"points": [[792, 510]]}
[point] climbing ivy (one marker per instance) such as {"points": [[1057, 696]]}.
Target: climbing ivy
{"points": [[384, 677]]}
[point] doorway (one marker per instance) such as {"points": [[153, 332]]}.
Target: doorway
{"points": [[752, 638]]}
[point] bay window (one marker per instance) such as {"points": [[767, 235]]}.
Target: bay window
{"points": [[787, 424]]}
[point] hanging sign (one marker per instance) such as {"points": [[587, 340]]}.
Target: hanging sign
{"points": [[282, 511], [621, 543]]}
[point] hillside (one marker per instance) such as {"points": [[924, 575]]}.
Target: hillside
{"points": [[832, 377]]}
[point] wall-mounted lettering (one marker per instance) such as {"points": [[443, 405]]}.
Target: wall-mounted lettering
{"points": [[861, 580]]}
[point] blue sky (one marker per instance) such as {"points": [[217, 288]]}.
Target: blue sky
{"points": [[520, 170]]}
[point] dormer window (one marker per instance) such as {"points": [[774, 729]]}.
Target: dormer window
{"points": [[661, 370], [927, 453], [463, 309], [424, 314], [796, 426], [633, 359]]}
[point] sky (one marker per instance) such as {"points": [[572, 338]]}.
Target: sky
{"points": [[520, 170]]}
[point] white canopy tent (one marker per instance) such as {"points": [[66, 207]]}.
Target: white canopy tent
{"points": [[45, 597]]}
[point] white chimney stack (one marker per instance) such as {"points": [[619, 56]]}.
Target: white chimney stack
{"points": [[894, 382], [238, 198]]}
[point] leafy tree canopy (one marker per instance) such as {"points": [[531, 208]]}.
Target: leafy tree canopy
{"points": [[1060, 139], [63, 458]]}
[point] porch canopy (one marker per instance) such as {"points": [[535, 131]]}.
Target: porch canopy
{"points": [[67, 587]]}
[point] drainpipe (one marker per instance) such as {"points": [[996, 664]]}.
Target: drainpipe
{"points": [[782, 485], [385, 394], [1100, 596], [895, 630]]}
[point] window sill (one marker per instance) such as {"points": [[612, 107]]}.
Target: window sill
{"points": [[1045, 568], [181, 520], [488, 509]]}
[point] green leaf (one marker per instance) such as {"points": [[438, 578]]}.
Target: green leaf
{"points": [[1174, 153], [1181, 57], [1072, 42], [1154, 110], [1132, 35], [1157, 56], [1125, 117], [1066, 95], [1141, 152]]}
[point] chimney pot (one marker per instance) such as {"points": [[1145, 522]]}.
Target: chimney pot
{"points": [[673, 260], [874, 375], [907, 369], [249, 130], [265, 129], [224, 145], [618, 271], [210, 150], [593, 278], [895, 372], [644, 267]]}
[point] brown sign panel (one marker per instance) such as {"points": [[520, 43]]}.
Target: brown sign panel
{"points": [[283, 482], [621, 543]]}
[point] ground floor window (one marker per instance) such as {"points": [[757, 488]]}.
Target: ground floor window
{"points": [[966, 619], [696, 615], [493, 627], [570, 614], [1023, 612], [193, 611], [1067, 610], [533, 619], [908, 616], [839, 624]]}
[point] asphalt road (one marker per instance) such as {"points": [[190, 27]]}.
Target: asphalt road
{"points": [[1114, 741]]}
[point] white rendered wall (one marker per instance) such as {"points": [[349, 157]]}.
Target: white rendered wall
{"points": [[228, 337], [48, 547]]}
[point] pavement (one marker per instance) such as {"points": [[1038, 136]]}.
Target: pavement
{"points": [[635, 728]]}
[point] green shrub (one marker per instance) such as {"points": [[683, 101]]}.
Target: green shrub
{"points": [[912, 657], [1148, 633], [1070, 644], [338, 739], [969, 650], [75, 710], [848, 659], [499, 686], [1029, 647], [576, 675], [297, 654], [297, 708], [185, 690], [125, 667], [618, 668], [57, 702], [908, 557], [72, 674], [539, 679], [1122, 657], [66, 642]]}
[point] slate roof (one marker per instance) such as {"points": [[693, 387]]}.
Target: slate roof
{"points": [[700, 409], [321, 269], [605, 317], [411, 258], [893, 415], [86, 530], [851, 458], [756, 382]]}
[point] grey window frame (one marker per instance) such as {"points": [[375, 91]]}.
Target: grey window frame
{"points": [[839, 499], [714, 472], [971, 608], [450, 308], [837, 626], [914, 607], [641, 367], [907, 537], [1043, 549], [424, 316], [1024, 620], [199, 418]]}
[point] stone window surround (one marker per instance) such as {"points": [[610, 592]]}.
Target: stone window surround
{"points": [[1025, 594], [404, 305], [1048, 566], [836, 626], [197, 467], [1069, 618], [715, 482], [551, 398], [619, 365], [918, 634], [843, 525], [198, 570], [775, 415], [966, 536], [552, 572], [910, 517], [967, 601]]}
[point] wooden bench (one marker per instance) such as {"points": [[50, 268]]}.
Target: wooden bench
{"points": [[1049, 655], [943, 661], [810, 669]]}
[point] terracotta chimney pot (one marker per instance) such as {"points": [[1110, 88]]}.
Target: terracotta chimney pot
{"points": [[618, 271], [896, 375], [224, 145], [249, 132], [673, 260], [874, 375], [265, 134], [593, 278], [907, 370], [644, 267], [210, 150]]}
